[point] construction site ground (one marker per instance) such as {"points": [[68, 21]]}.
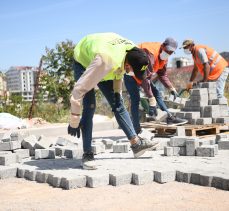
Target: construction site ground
{"points": [[21, 194]]}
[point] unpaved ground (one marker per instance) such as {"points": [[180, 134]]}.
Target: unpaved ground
{"points": [[19, 194]]}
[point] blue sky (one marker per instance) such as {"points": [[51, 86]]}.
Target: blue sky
{"points": [[27, 26]]}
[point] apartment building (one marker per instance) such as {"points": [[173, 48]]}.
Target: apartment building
{"points": [[21, 80]]}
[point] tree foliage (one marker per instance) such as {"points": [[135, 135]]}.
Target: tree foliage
{"points": [[57, 79]]}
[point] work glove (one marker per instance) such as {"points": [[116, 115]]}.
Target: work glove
{"points": [[174, 93], [74, 126], [153, 111]]}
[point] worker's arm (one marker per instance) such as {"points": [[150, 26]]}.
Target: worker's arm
{"points": [[94, 73], [194, 73], [164, 79], [206, 71]]}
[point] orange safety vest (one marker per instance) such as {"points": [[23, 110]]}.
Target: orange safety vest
{"points": [[216, 61], [153, 48]]}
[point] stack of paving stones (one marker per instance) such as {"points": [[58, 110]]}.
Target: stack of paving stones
{"points": [[176, 103], [191, 146], [203, 107], [223, 141]]}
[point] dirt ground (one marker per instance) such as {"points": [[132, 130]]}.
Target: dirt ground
{"points": [[19, 194]]}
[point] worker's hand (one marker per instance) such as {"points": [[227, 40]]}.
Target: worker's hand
{"points": [[153, 111], [174, 93], [189, 85], [74, 131], [74, 127]]}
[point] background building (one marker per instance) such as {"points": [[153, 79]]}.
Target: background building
{"points": [[178, 62], [3, 89], [21, 80]]}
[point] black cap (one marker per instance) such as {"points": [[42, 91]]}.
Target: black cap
{"points": [[138, 60]]}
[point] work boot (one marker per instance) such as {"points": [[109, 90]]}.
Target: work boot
{"points": [[143, 145], [173, 121], [88, 161]]}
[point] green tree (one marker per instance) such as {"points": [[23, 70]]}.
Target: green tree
{"points": [[57, 80]]}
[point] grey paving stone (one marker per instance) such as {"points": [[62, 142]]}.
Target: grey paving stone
{"points": [[29, 142], [64, 142], [7, 172], [73, 153], [199, 92], [8, 158], [195, 178], [180, 131], [182, 176], [177, 141], [59, 150], [141, 178], [212, 96], [191, 145], [15, 136], [205, 151], [212, 111], [41, 177], [220, 183], [204, 121], [22, 153], [182, 151], [176, 151], [10, 145], [30, 175], [168, 151], [72, 183], [206, 180], [219, 101], [221, 137], [94, 181], [117, 179], [223, 145], [164, 176], [223, 110], [20, 173], [56, 181], [98, 148], [44, 154], [223, 119], [120, 148], [108, 143]]}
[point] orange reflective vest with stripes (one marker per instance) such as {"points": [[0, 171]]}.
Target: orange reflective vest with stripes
{"points": [[153, 48], [215, 60]]}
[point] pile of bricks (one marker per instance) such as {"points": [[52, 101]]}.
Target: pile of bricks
{"points": [[203, 107]]}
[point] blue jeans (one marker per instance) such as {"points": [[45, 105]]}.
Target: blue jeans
{"points": [[134, 92], [89, 105], [220, 83]]}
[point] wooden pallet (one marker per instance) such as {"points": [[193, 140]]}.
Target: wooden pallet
{"points": [[190, 130]]}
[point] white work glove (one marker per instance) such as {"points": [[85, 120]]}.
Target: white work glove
{"points": [[173, 91]]}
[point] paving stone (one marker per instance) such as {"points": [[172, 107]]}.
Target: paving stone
{"points": [[117, 179], [205, 151], [219, 101], [191, 145], [180, 131], [73, 153], [15, 136], [64, 142], [98, 148], [43, 143], [207, 85], [44, 154], [72, 183], [164, 176], [8, 158], [29, 142], [180, 115], [120, 148], [212, 96], [7, 172], [108, 143], [220, 183], [11, 145], [20, 173], [199, 92], [223, 120], [177, 141], [22, 153], [221, 137], [94, 181], [30, 175], [168, 151], [192, 115], [41, 177], [59, 150], [204, 121], [183, 176], [56, 181], [216, 149], [223, 145], [199, 98], [195, 178], [182, 151], [204, 142], [141, 178], [205, 179], [211, 111]]}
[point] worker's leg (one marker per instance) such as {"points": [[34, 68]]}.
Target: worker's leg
{"points": [[89, 104], [120, 112], [133, 90], [220, 83]]}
